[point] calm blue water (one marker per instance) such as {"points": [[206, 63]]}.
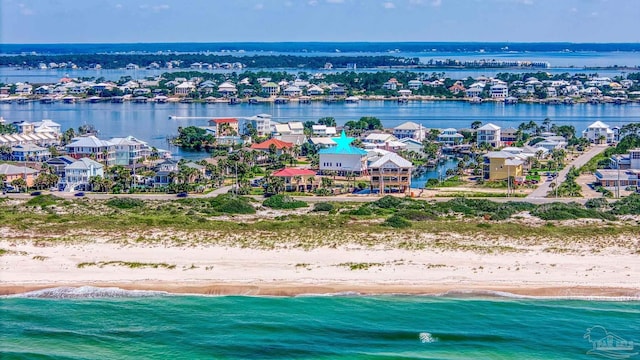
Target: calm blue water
{"points": [[393, 327], [150, 122]]}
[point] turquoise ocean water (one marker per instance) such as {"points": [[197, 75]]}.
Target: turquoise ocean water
{"points": [[126, 325]]}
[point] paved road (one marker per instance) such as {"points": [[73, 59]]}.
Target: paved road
{"points": [[543, 189]]}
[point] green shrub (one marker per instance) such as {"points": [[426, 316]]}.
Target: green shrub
{"points": [[283, 202], [561, 211], [363, 210], [397, 222], [43, 200], [417, 215], [388, 202], [323, 206], [231, 204], [597, 203], [629, 205], [125, 203]]}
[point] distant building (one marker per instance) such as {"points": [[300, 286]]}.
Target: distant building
{"points": [[29, 152], [499, 165], [225, 126], [270, 89], [450, 136], [78, 173], [390, 172], [12, 172], [92, 147], [343, 158], [409, 129], [598, 133], [489, 134]]}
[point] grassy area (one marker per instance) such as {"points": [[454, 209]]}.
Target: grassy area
{"points": [[389, 221]]}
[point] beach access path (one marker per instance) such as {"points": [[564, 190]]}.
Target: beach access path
{"points": [[544, 188]]}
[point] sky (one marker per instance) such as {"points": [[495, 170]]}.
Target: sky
{"points": [[143, 21]]}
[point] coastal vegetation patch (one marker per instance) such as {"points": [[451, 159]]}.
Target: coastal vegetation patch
{"points": [[129, 264], [283, 202]]}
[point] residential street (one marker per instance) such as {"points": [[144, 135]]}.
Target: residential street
{"points": [[543, 189]]}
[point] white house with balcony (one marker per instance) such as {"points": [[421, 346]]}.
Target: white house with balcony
{"points": [[499, 91], [489, 134], [78, 173], [599, 132], [90, 146], [261, 123], [450, 136], [409, 129], [184, 88]]}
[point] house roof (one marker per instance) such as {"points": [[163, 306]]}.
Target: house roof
{"points": [[394, 158], [499, 155], [28, 147], [8, 169], [409, 125], [290, 172], [266, 144], [84, 164], [489, 126], [225, 120], [88, 141], [598, 125], [322, 141]]}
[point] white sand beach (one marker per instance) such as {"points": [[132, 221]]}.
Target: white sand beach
{"points": [[30, 265]]}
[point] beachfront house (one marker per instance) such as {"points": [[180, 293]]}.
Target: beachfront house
{"points": [[390, 173], [509, 136], [13, 172], [92, 147], [599, 133], [58, 164], [612, 179], [343, 158], [409, 129], [78, 174], [489, 134], [297, 179], [500, 165]]}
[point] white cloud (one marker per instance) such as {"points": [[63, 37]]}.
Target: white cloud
{"points": [[161, 7], [258, 7], [389, 5], [24, 10]]}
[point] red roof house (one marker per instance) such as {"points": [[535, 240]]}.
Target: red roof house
{"points": [[280, 145]]}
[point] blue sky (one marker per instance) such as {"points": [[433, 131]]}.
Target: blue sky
{"points": [[130, 21]]}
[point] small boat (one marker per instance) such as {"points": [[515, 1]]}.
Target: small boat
{"points": [[352, 100], [281, 100], [254, 101], [403, 100], [46, 100], [475, 100], [234, 101]]}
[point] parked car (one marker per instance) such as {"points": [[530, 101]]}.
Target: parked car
{"points": [[182, 194], [36, 193], [79, 194]]}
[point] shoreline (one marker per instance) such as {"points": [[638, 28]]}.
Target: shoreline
{"points": [[275, 289]]}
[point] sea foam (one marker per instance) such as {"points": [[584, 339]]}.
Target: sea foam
{"points": [[87, 292]]}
